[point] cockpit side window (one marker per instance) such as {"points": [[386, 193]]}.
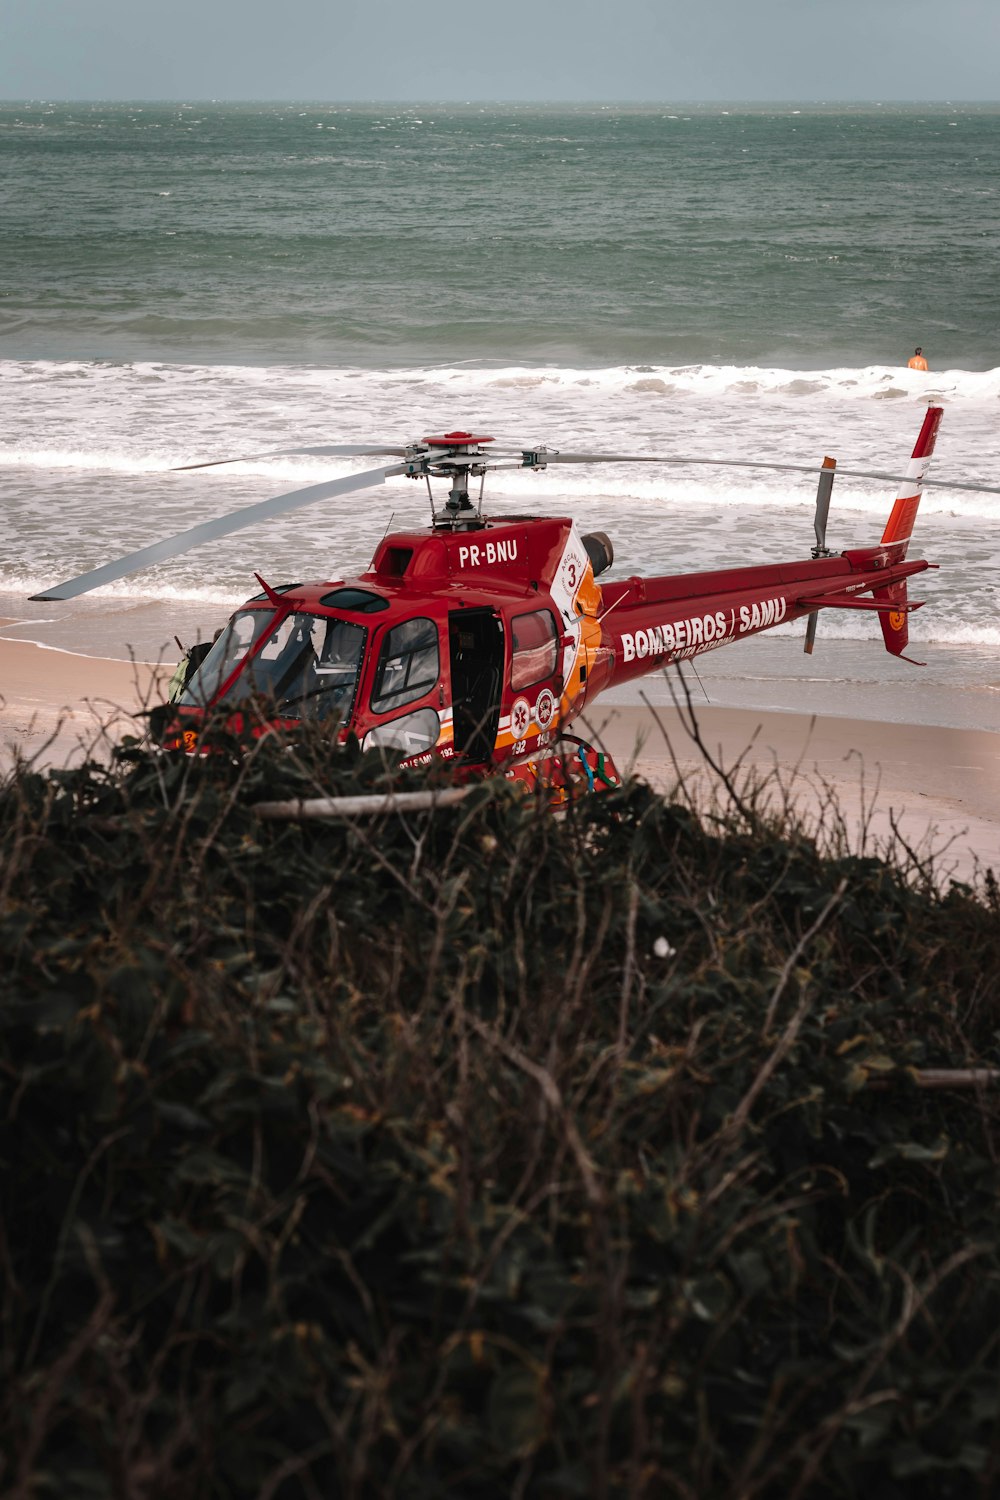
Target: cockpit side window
{"points": [[408, 666], [534, 648], [324, 678]]}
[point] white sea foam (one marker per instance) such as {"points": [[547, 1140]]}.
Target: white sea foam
{"points": [[106, 462], [89, 451]]}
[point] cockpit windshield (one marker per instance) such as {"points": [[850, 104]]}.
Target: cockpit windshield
{"points": [[307, 667]]}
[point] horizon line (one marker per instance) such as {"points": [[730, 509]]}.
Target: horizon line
{"points": [[590, 103]]}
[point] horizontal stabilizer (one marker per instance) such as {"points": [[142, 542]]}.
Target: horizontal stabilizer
{"points": [[847, 601]]}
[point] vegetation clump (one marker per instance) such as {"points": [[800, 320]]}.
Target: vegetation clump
{"points": [[484, 1152]]}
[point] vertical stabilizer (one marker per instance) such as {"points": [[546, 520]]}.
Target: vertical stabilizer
{"points": [[895, 622], [899, 527]]}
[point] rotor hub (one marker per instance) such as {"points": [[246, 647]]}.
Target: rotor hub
{"points": [[454, 457]]}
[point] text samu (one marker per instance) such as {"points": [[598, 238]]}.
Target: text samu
{"points": [[701, 630]]}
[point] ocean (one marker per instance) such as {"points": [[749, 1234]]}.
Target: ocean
{"points": [[189, 282]]}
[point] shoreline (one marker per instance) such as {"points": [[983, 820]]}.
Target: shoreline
{"points": [[938, 786], [56, 705]]}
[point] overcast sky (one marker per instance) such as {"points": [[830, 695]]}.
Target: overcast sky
{"points": [[523, 49]]}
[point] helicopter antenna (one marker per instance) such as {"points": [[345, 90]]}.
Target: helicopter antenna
{"points": [[698, 675]]}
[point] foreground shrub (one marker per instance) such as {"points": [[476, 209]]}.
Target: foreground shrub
{"points": [[483, 1152]]}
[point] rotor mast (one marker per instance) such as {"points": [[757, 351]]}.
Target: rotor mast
{"points": [[454, 456]]}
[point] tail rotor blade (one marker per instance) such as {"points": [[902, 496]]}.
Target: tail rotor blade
{"points": [[823, 492], [210, 531], [810, 640]]}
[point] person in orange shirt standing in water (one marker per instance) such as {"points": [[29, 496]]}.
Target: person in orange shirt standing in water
{"points": [[917, 362]]}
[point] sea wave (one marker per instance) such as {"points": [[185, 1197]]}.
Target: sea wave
{"points": [[871, 382], [21, 583], [89, 448], [150, 418], [99, 461], [678, 483]]}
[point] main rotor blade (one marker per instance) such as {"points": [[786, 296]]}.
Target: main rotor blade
{"points": [[652, 458], [209, 531], [750, 463], [374, 450], [339, 450]]}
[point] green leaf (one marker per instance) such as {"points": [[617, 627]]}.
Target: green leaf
{"points": [[517, 1411], [911, 1151]]}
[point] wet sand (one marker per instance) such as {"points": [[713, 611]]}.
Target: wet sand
{"points": [[55, 706], [940, 787]]}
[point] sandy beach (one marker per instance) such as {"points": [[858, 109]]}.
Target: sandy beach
{"points": [[55, 705], [939, 787]]}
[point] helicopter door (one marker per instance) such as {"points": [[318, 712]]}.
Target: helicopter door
{"points": [[475, 639]]}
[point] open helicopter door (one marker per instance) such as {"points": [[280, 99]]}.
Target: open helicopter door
{"points": [[475, 638]]}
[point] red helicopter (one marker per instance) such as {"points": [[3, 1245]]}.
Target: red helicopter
{"points": [[480, 641]]}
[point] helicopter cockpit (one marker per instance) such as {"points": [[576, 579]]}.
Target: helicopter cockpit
{"points": [[306, 665]]}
